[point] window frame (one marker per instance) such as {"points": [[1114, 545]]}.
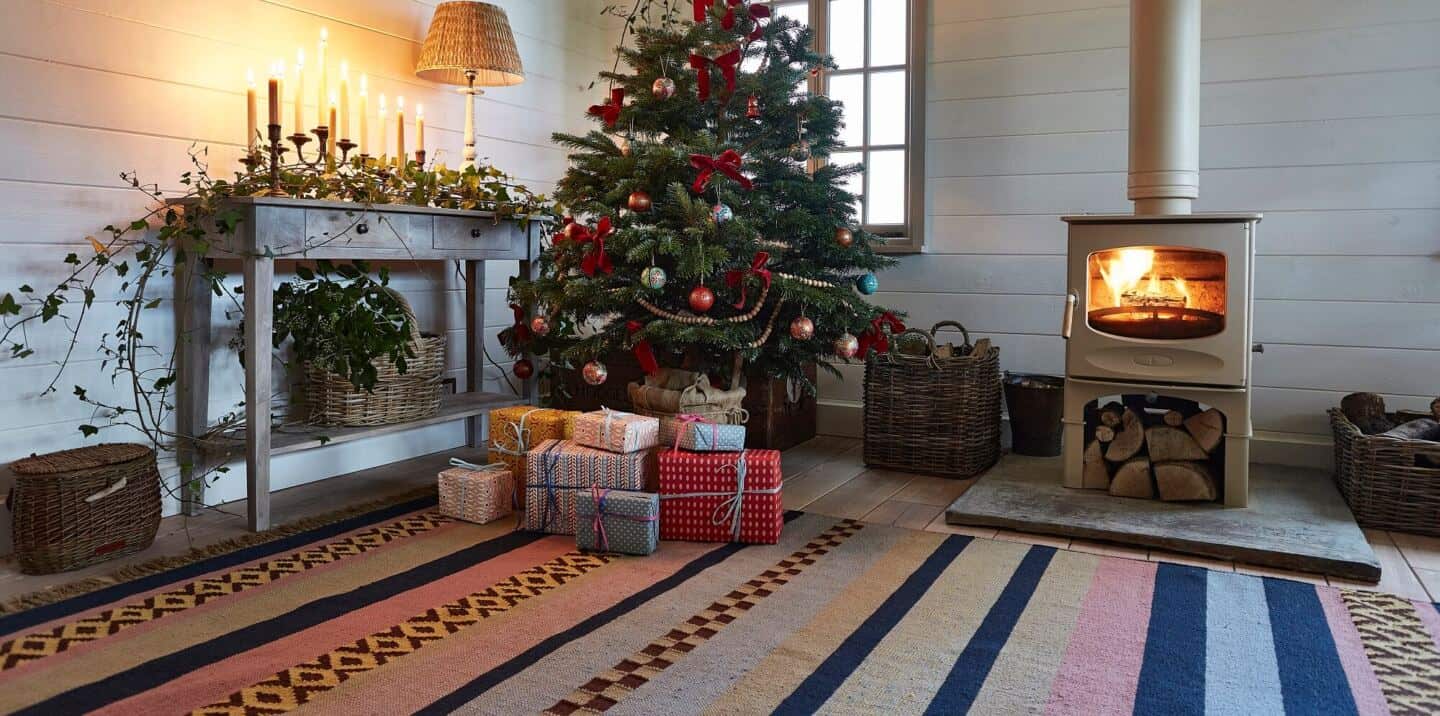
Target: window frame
{"points": [[907, 237]]}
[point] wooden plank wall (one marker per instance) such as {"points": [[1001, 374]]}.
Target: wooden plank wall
{"points": [[1324, 114], [95, 87]]}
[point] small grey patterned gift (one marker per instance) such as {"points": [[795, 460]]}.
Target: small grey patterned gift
{"points": [[692, 432], [617, 521]]}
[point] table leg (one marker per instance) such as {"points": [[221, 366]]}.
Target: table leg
{"points": [[475, 427], [192, 377], [259, 316], [530, 270]]}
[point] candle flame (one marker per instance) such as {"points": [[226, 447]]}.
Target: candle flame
{"points": [[400, 103], [344, 70], [420, 111], [279, 68], [250, 77], [382, 104], [334, 100], [299, 58], [324, 35], [364, 84]]}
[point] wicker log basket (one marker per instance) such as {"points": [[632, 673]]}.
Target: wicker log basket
{"points": [[78, 507], [1390, 483], [397, 397], [673, 392], [937, 412]]}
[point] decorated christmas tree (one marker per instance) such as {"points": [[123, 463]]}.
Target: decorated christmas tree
{"points": [[706, 230]]}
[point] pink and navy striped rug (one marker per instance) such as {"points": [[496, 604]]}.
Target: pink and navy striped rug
{"points": [[403, 611]]}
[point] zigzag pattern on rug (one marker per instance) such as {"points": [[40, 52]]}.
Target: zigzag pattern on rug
{"points": [[1400, 649]]}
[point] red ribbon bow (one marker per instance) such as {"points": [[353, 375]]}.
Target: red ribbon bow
{"points": [[875, 335], [727, 163], [596, 259], [701, 7], [570, 229], [736, 277], [610, 111], [756, 13], [522, 328], [643, 352], [727, 64]]}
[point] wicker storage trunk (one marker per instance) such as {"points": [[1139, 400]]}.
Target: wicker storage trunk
{"points": [[1389, 483], [74, 508], [396, 398], [937, 412], [678, 392]]}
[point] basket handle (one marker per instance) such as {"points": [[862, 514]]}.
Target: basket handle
{"points": [[118, 486], [953, 324], [415, 334], [929, 339]]}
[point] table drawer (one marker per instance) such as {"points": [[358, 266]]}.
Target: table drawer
{"points": [[480, 235], [362, 229]]}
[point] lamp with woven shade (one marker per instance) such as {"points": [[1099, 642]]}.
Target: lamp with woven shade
{"points": [[470, 44]]}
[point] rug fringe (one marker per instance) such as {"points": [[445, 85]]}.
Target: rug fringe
{"points": [[132, 572]]}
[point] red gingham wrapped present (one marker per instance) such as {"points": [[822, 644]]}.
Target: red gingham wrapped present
{"points": [[721, 496], [555, 470]]}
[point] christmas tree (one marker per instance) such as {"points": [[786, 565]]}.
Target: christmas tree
{"points": [[705, 229]]}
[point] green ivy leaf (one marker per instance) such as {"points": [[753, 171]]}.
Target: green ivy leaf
{"points": [[88, 430]]}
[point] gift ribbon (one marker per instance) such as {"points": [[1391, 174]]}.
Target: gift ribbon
{"points": [[520, 431], [465, 484], [549, 460], [600, 494], [726, 63], [736, 277], [689, 419], [597, 260], [610, 111], [644, 353], [875, 336], [610, 416], [727, 163], [730, 509]]}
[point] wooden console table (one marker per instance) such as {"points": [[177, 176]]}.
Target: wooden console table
{"points": [[302, 229]]}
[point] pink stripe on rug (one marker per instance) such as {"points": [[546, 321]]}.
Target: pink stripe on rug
{"points": [[216, 681], [1430, 618], [1364, 684], [1101, 668]]}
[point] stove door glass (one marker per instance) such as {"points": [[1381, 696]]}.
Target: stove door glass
{"points": [[1157, 292]]}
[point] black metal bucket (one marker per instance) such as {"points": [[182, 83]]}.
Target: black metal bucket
{"points": [[1036, 404]]}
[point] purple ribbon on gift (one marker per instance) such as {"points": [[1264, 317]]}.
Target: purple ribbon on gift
{"points": [[600, 493], [689, 419]]}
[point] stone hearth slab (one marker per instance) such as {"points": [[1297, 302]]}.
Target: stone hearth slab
{"points": [[1296, 519]]}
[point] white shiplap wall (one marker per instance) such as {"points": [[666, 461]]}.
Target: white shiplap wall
{"points": [[89, 88], [1324, 114]]}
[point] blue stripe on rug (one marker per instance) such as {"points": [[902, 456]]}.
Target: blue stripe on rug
{"points": [[1241, 676], [1312, 678], [1172, 675], [972, 667], [820, 685], [84, 602]]}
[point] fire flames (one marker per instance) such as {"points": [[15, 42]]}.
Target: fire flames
{"points": [[1133, 281]]}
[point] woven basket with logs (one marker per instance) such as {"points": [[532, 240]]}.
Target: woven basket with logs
{"points": [[1387, 464], [1166, 448], [396, 398]]}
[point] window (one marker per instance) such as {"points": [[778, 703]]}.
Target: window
{"points": [[879, 48]]}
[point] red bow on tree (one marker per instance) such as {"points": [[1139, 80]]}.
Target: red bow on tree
{"points": [[876, 337], [727, 163], [522, 328], [610, 111], [597, 259], [736, 277], [701, 7], [643, 352], [727, 64], [756, 13]]}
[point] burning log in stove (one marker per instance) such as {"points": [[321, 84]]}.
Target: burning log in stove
{"points": [[1170, 449]]}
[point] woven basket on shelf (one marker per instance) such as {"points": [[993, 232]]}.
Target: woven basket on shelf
{"points": [[396, 398], [78, 507], [937, 412], [677, 392], [1389, 483]]}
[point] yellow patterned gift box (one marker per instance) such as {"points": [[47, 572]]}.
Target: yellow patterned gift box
{"points": [[515, 430], [476, 493]]}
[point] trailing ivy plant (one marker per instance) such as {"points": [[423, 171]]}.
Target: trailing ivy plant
{"points": [[137, 259], [342, 320]]}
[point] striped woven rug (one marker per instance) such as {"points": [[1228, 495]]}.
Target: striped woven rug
{"points": [[403, 611]]}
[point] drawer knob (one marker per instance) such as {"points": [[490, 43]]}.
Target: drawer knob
{"points": [[475, 233], [362, 228]]}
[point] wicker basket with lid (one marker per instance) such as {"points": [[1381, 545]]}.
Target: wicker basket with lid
{"points": [[78, 507]]}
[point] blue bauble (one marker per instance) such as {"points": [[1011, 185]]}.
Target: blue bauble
{"points": [[654, 277], [722, 213], [867, 284]]}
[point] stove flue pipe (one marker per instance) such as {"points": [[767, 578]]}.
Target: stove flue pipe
{"points": [[1164, 105]]}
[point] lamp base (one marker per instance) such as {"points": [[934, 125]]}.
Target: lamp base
{"points": [[471, 93]]}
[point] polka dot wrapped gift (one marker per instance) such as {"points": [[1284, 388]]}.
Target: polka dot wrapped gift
{"points": [[721, 496], [556, 471], [617, 521]]}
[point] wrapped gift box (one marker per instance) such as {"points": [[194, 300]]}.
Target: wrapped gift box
{"points": [[687, 432], [556, 470], [616, 431], [617, 521], [477, 493], [721, 496], [517, 429]]}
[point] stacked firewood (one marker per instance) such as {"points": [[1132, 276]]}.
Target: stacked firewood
{"points": [[1162, 447]]}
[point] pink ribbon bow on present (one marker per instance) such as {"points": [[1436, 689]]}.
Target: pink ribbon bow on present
{"points": [[689, 419], [602, 539]]}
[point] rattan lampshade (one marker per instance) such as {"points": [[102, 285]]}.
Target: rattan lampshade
{"points": [[470, 37]]}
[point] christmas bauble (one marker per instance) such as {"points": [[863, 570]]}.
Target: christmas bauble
{"points": [[867, 284], [800, 151], [664, 88], [722, 213], [623, 145], [701, 299], [595, 372], [639, 201], [523, 369], [752, 108], [802, 329], [844, 237], [654, 277], [540, 326], [847, 346]]}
